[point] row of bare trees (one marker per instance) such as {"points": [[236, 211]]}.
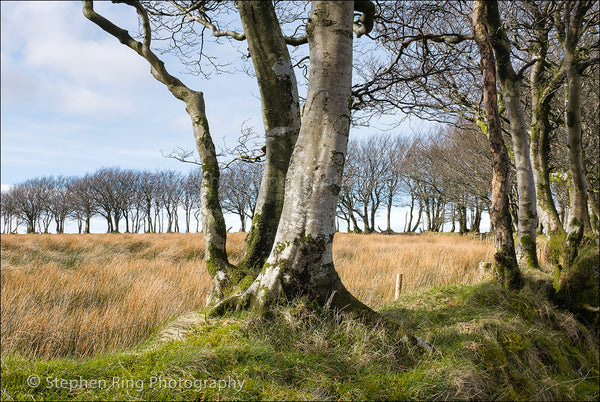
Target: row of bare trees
{"points": [[128, 200], [442, 176]]}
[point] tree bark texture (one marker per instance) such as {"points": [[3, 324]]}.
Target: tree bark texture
{"points": [[542, 92], [505, 262], [281, 117], [511, 94]]}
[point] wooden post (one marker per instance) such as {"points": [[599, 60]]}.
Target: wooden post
{"points": [[398, 287], [485, 268]]}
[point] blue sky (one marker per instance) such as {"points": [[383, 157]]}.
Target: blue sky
{"points": [[73, 99]]}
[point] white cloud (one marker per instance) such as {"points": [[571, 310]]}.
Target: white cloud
{"points": [[51, 57]]}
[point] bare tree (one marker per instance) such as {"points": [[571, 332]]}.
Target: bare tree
{"points": [[301, 260], [571, 21], [510, 82], [29, 200], [240, 185], [212, 215]]}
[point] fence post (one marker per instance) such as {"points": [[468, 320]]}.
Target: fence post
{"points": [[398, 287], [485, 268]]}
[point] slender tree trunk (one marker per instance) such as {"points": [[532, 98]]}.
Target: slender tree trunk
{"points": [[542, 93], [510, 83], [410, 214], [505, 262], [281, 117], [223, 273], [355, 227], [573, 16], [213, 222], [593, 209], [389, 214], [419, 215]]}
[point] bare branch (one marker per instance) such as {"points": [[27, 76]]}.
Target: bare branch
{"points": [[183, 155], [206, 23]]}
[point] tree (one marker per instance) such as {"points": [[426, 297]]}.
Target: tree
{"points": [[570, 20], [82, 199], [511, 95], [329, 34], [505, 262], [301, 260], [9, 211], [213, 222], [191, 195], [240, 185], [59, 202], [29, 200]]}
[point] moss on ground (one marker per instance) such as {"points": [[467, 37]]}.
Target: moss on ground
{"points": [[490, 344]]}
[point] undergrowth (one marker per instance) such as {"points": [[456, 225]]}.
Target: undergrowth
{"points": [[489, 345]]}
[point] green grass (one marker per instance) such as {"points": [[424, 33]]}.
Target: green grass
{"points": [[489, 344]]}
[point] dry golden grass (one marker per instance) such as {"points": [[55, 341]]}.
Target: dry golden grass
{"points": [[84, 294], [368, 265]]}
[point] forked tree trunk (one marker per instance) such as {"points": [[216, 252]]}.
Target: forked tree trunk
{"points": [[301, 261], [542, 93], [281, 117], [511, 94], [505, 262]]}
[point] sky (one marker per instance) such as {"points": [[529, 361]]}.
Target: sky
{"points": [[74, 99]]}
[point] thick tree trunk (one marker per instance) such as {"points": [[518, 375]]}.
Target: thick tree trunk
{"points": [[506, 266], [281, 117], [511, 94], [578, 212], [301, 262]]}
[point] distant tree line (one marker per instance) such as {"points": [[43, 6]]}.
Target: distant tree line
{"points": [[440, 177], [130, 201]]}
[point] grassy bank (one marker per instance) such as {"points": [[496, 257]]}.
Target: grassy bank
{"points": [[490, 345]]}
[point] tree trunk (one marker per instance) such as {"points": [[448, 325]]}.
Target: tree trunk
{"points": [[511, 94], [578, 194], [505, 262], [281, 117], [213, 222], [301, 262], [419, 215], [389, 213], [542, 93]]}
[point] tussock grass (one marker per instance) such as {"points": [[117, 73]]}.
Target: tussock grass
{"points": [[84, 294], [129, 307]]}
